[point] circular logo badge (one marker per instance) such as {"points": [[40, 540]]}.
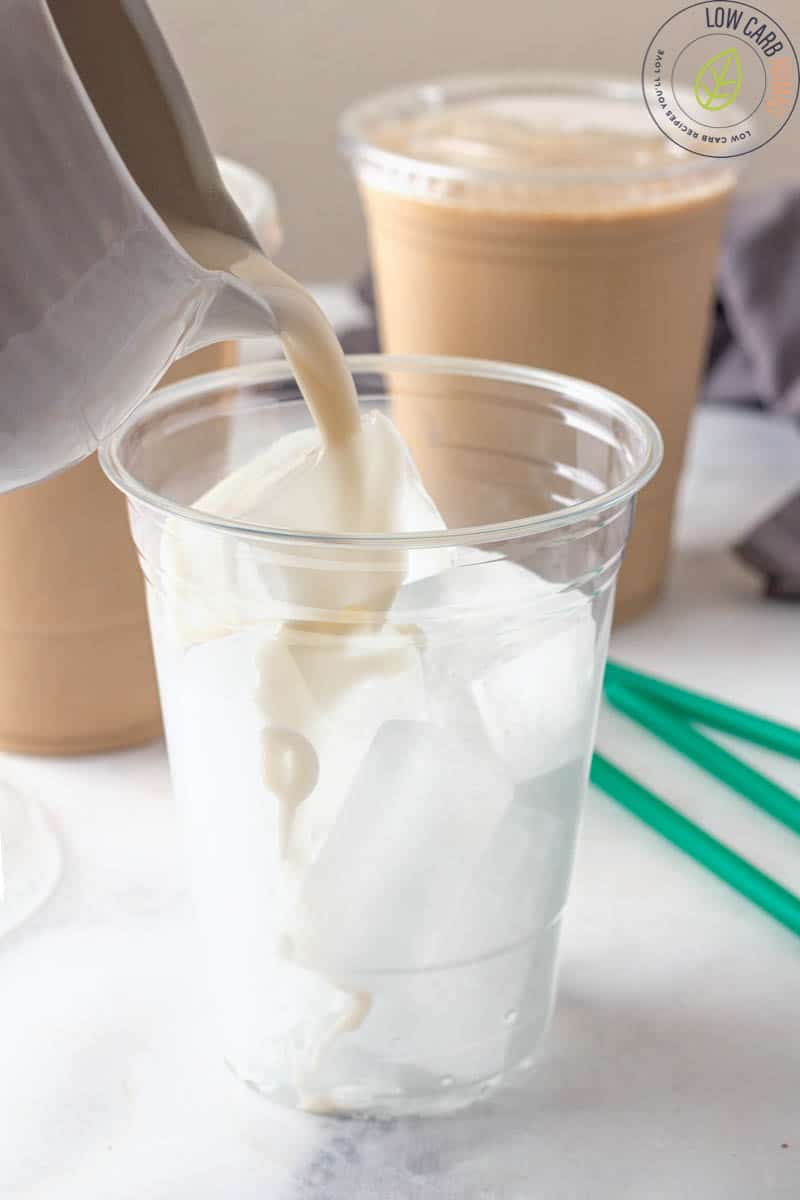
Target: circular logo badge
{"points": [[720, 79]]}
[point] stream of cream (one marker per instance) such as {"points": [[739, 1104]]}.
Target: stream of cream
{"points": [[360, 469]]}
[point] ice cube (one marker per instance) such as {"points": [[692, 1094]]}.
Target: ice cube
{"points": [[452, 1022], [330, 691], [507, 656], [472, 584], [424, 1026], [336, 690], [266, 1002], [536, 702], [486, 995], [367, 484], [494, 953], [520, 884], [397, 863], [486, 1003]]}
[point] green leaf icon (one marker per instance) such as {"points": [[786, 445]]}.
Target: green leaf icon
{"points": [[718, 81]]}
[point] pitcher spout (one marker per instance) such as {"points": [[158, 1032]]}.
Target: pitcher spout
{"points": [[98, 298], [235, 311]]}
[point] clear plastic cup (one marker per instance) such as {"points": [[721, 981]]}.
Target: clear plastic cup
{"points": [[542, 218], [386, 942]]}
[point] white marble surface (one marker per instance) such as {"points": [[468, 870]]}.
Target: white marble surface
{"points": [[673, 1067]]}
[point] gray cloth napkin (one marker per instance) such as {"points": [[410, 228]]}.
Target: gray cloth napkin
{"points": [[754, 355], [773, 548], [755, 352]]}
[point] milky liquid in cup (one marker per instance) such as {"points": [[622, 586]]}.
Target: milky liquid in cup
{"points": [[298, 685], [558, 231], [348, 475]]}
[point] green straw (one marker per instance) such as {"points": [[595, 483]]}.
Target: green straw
{"points": [[736, 721], [739, 874], [679, 734]]}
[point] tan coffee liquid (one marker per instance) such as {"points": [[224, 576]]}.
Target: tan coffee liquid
{"points": [[581, 244]]}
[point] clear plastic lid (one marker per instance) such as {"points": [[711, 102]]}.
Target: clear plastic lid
{"points": [[514, 138]]}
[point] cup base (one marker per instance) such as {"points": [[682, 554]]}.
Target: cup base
{"points": [[123, 739], [444, 1102]]}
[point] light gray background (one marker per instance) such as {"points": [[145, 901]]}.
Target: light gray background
{"points": [[271, 76]]}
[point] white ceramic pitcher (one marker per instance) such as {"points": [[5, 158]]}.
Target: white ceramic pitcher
{"points": [[98, 137]]}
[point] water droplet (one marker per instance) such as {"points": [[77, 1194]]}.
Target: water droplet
{"points": [[510, 1016], [446, 1081]]}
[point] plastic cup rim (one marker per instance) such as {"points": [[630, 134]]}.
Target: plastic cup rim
{"points": [[356, 144], [590, 396]]}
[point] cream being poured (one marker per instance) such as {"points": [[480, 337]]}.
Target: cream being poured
{"points": [[348, 475]]}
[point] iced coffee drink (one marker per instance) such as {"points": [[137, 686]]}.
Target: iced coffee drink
{"points": [[539, 220]]}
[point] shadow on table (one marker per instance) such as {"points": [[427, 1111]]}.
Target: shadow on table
{"points": [[618, 1087]]}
